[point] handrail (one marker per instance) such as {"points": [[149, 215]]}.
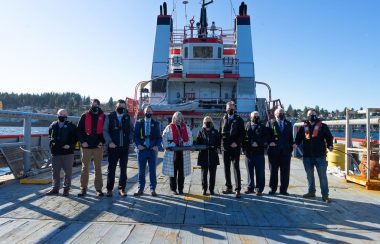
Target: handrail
{"points": [[26, 143]]}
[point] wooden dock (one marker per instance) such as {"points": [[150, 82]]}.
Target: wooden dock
{"points": [[27, 216]]}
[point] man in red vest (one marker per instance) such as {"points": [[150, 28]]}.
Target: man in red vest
{"points": [[90, 134], [315, 137]]}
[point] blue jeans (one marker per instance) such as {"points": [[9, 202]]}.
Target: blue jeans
{"points": [[144, 156], [321, 164], [256, 165]]}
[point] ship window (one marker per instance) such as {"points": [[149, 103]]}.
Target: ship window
{"points": [[219, 52], [202, 52], [159, 85], [186, 52]]}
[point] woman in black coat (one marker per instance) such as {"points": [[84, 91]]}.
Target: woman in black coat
{"points": [[208, 159]]}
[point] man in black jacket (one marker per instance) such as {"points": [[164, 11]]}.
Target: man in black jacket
{"points": [[62, 137], [256, 138], [315, 136], [118, 133], [232, 133], [90, 133], [280, 149]]}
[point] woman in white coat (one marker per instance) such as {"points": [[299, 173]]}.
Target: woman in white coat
{"points": [[177, 164]]}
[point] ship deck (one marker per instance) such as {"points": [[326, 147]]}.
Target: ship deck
{"points": [[27, 216]]}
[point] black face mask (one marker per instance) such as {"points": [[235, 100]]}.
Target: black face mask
{"points": [[312, 118], [281, 116], [230, 111], [256, 120], [94, 109], [62, 118], [208, 124], [148, 115], [120, 110]]}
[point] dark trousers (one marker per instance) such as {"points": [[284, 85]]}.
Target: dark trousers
{"points": [[232, 155], [144, 156], [282, 161], [256, 164], [179, 178], [114, 155], [205, 170]]}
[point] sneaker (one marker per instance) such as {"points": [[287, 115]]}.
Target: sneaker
{"points": [[109, 194], [237, 194], [122, 193], [66, 192], [309, 195], [82, 193], [227, 191], [326, 199], [52, 192], [99, 193]]}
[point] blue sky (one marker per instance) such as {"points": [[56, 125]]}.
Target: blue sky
{"points": [[311, 52]]}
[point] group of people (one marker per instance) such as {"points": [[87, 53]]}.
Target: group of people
{"points": [[254, 138]]}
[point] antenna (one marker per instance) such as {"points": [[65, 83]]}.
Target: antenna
{"points": [[185, 3]]}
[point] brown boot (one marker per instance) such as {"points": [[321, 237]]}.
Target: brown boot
{"points": [[52, 192], [66, 192]]}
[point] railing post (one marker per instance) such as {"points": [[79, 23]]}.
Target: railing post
{"points": [[27, 141], [368, 135], [348, 142], [294, 136]]}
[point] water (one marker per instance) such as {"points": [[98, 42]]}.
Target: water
{"points": [[9, 130], [360, 135]]}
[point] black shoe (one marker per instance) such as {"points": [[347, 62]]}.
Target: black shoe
{"points": [[237, 194], [109, 193], [249, 191], [204, 193], [285, 193], [52, 192], [122, 193], [271, 192], [153, 193], [212, 192], [66, 192], [227, 191], [309, 195], [180, 192], [174, 192], [137, 193], [326, 199], [82, 193], [99, 193], [259, 193]]}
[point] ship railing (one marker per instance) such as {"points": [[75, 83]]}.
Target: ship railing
{"points": [[203, 66], [367, 147], [25, 143], [227, 36]]}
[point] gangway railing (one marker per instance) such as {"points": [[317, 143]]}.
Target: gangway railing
{"points": [[27, 118]]}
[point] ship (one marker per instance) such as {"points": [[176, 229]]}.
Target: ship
{"points": [[198, 69]]}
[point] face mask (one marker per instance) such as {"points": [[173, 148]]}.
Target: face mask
{"points": [[230, 111], [120, 110], [256, 120], [95, 109], [208, 124], [281, 116], [178, 122], [62, 118], [312, 118], [148, 115]]}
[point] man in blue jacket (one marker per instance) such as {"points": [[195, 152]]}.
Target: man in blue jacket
{"points": [[147, 139]]}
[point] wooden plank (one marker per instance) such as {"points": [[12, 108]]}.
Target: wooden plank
{"points": [[67, 233], [214, 235], [190, 234], [141, 234], [43, 234], [167, 234], [93, 233], [10, 226], [118, 233], [22, 231]]}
